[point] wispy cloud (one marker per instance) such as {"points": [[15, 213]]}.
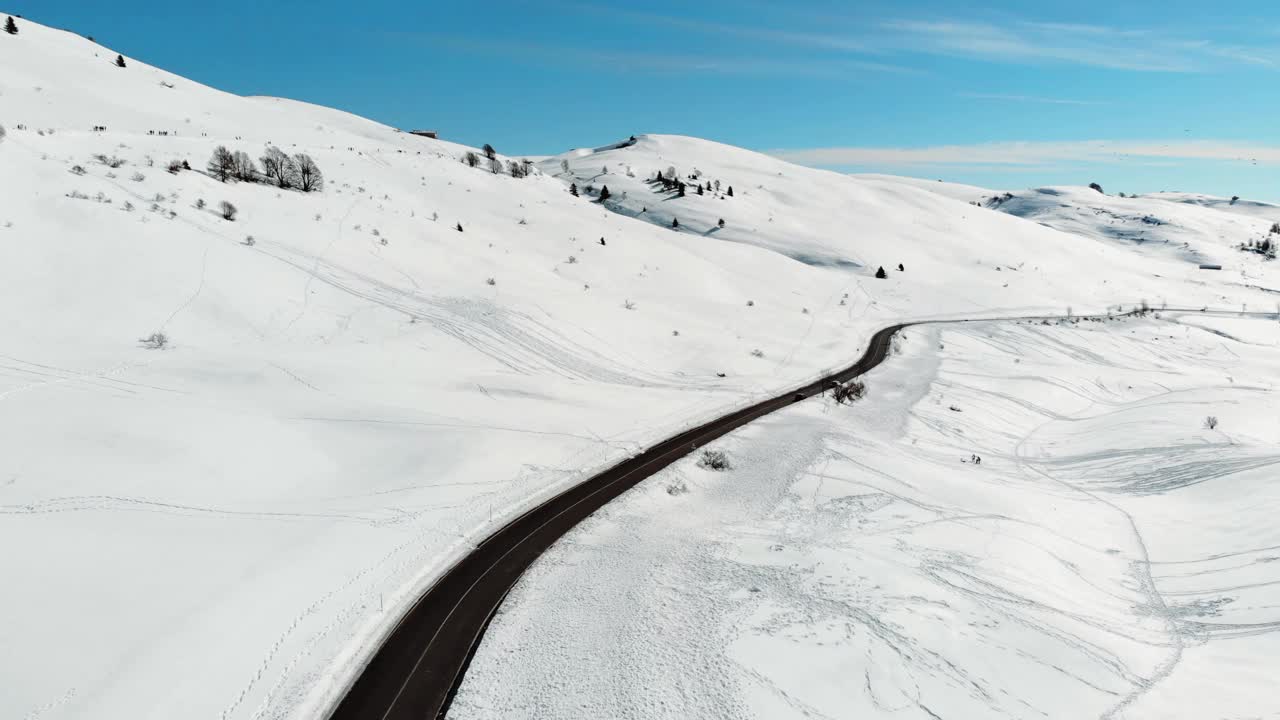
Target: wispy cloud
{"points": [[1027, 99], [1013, 154], [1097, 46], [1008, 41], [808, 39], [628, 61]]}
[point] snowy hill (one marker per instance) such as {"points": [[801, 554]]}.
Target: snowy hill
{"points": [[222, 524], [1188, 227]]}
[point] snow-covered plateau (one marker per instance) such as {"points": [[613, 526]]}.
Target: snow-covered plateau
{"points": [[235, 445]]}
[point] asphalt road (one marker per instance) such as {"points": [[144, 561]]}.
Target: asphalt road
{"points": [[418, 669]]}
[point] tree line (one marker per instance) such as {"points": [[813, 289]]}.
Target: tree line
{"points": [[297, 171]]}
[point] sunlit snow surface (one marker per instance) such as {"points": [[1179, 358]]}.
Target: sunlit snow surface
{"points": [[1109, 557], [225, 528]]}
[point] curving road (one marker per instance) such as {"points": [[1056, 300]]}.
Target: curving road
{"points": [[419, 667]]}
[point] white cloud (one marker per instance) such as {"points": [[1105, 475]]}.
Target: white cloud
{"points": [[1013, 154], [1097, 46]]}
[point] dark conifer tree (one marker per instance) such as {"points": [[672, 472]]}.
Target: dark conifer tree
{"points": [[120, 61], [459, 227], [573, 189], [604, 193], [10, 26], [881, 274], [675, 222], [730, 193]]}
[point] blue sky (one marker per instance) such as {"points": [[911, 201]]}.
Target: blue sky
{"points": [[1138, 96]]}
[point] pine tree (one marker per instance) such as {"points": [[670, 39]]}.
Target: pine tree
{"points": [[573, 189], [730, 193], [721, 224], [881, 274], [700, 192], [459, 227], [680, 190], [675, 222], [120, 61], [10, 26], [604, 193]]}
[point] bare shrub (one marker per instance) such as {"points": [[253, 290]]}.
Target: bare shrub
{"points": [[228, 210], [758, 353], [1211, 422], [155, 341], [491, 281], [629, 305], [138, 177], [850, 392], [109, 161], [714, 460], [77, 170]]}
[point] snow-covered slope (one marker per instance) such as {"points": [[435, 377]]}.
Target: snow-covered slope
{"points": [[1110, 556], [222, 527], [1193, 228]]}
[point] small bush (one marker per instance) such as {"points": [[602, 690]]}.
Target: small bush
{"points": [[77, 170], [1211, 422], [1096, 187], [491, 281], [155, 341], [111, 162], [714, 460], [757, 353], [629, 305], [1275, 229], [573, 260], [175, 166], [138, 177], [250, 241], [850, 392], [200, 203], [228, 210]]}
